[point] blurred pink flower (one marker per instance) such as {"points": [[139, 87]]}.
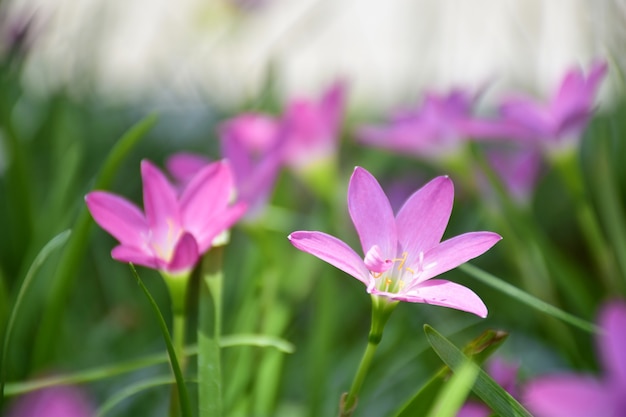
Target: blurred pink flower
{"points": [[518, 168], [252, 143], [176, 229], [505, 374], [61, 401], [437, 129], [559, 123], [402, 254], [570, 395], [312, 128]]}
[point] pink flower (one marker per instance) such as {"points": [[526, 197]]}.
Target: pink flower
{"points": [[568, 395], [436, 129], [252, 144], [518, 168], [402, 254], [558, 123], [312, 128], [175, 230], [61, 401]]}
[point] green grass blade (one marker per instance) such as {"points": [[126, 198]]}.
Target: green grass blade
{"points": [[183, 395], [108, 371], [131, 390], [485, 387], [454, 393], [53, 244], [479, 349], [527, 299], [73, 255]]}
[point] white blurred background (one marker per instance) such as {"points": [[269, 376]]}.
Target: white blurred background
{"points": [[389, 51]]}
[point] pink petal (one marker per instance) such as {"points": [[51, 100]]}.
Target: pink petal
{"points": [[208, 193], [159, 200], [474, 409], [183, 166], [453, 252], [375, 262], [612, 344], [332, 250], [118, 216], [185, 254], [446, 294], [568, 396], [134, 255], [217, 224], [371, 213], [532, 116], [422, 220]]}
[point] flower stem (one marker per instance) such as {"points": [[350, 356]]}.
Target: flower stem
{"points": [[381, 310], [209, 332]]}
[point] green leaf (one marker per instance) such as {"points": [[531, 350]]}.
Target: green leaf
{"points": [[528, 299], [454, 393], [485, 387], [53, 244], [479, 349], [73, 255], [183, 396]]}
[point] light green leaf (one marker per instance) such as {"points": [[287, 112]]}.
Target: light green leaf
{"points": [[454, 393], [485, 387], [479, 349]]}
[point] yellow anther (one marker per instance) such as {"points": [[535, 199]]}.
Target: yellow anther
{"points": [[401, 284], [388, 281], [377, 274], [410, 270], [402, 260]]}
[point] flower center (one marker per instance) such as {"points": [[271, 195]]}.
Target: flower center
{"points": [[163, 244], [396, 278]]}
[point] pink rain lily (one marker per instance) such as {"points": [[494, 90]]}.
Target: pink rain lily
{"points": [[435, 130], [252, 144], [403, 253], [312, 128], [569, 395], [519, 170], [559, 123], [61, 401], [175, 229]]}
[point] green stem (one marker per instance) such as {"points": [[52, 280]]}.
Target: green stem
{"points": [[209, 332], [381, 310], [183, 396]]}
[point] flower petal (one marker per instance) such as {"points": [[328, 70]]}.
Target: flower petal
{"points": [[375, 262], [217, 224], [207, 194], [134, 255], [332, 250], [118, 216], [185, 254], [446, 294], [422, 220], [612, 344], [453, 252], [568, 396], [371, 213], [159, 200], [183, 166]]}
